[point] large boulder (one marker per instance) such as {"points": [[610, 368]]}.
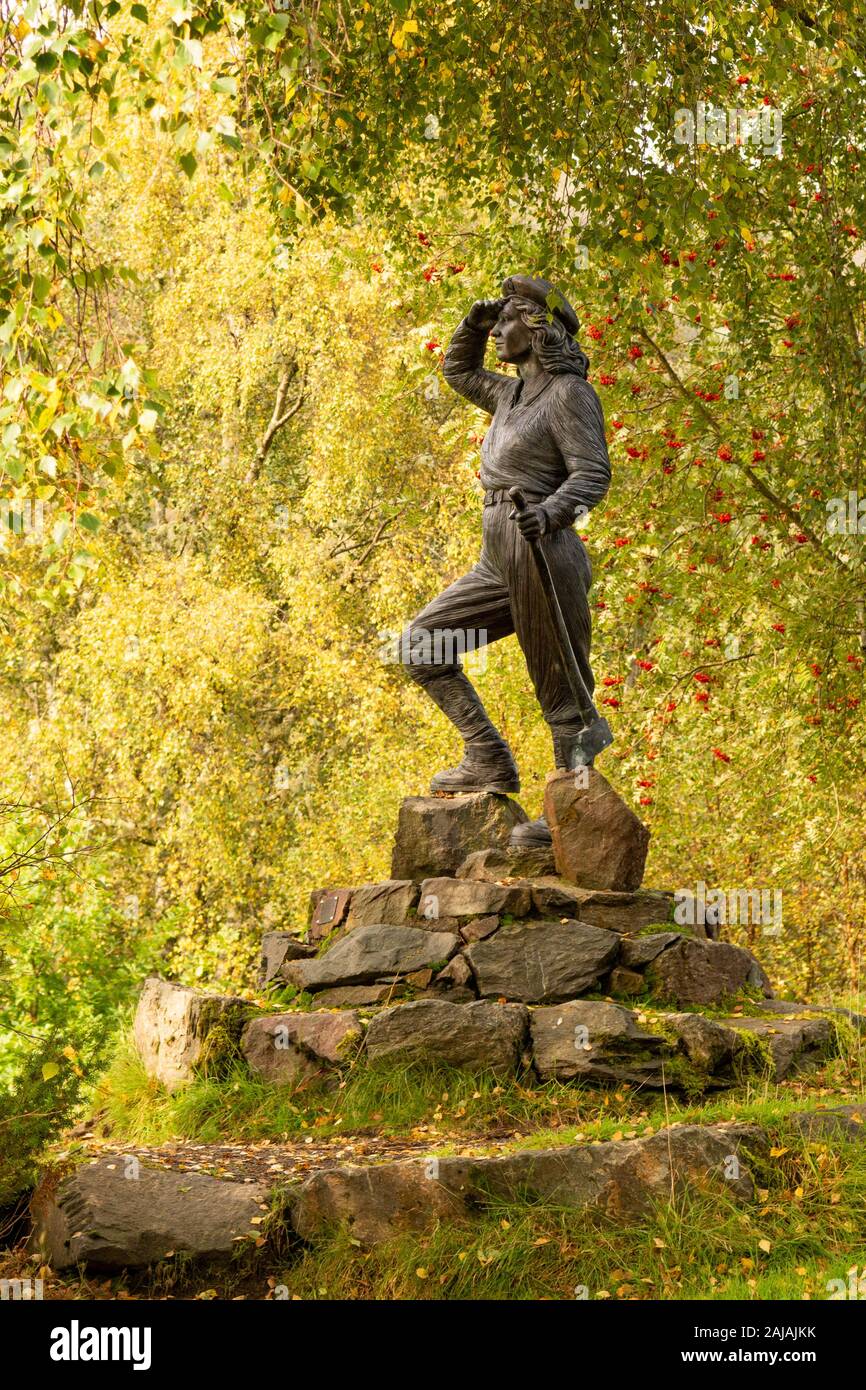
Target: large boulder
{"points": [[436, 833], [624, 1178], [173, 1024], [293, 1047], [594, 1041], [391, 903], [460, 897], [542, 962], [704, 972], [598, 841], [374, 954], [475, 1036], [116, 1214]]}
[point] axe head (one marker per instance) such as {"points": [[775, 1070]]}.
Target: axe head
{"points": [[582, 749]]}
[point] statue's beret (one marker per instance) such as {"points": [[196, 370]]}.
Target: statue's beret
{"points": [[544, 293]]}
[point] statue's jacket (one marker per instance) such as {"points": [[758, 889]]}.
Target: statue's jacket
{"points": [[547, 435]]}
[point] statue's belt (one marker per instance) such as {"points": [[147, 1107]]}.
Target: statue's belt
{"points": [[495, 495]]}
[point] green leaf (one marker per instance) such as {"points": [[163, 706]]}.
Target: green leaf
{"points": [[89, 522], [189, 164]]}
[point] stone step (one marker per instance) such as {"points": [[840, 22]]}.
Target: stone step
{"points": [[119, 1212], [474, 891], [452, 862], [103, 1217], [787, 1006], [625, 1178], [293, 1047], [790, 1041], [478, 1036], [596, 1042], [512, 952]]}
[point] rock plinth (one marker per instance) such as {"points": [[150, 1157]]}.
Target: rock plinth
{"points": [[435, 834], [598, 841]]}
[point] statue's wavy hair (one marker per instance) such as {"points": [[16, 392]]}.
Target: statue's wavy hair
{"points": [[556, 349]]}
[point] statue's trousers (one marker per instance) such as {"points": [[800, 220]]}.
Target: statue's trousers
{"points": [[501, 595]]}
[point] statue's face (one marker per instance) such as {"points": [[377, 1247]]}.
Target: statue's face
{"points": [[510, 334]]}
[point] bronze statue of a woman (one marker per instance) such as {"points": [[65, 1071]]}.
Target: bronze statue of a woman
{"points": [[547, 439]]}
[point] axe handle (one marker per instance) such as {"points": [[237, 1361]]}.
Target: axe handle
{"points": [[565, 651]]}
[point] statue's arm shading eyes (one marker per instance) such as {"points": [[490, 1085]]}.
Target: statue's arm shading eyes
{"points": [[464, 371], [578, 426]]}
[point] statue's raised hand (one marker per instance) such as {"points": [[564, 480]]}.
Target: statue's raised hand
{"points": [[484, 313]]}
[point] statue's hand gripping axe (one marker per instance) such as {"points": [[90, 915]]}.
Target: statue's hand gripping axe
{"points": [[596, 734]]}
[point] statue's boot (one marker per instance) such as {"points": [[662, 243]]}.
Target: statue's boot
{"points": [[535, 834], [531, 834], [487, 764]]}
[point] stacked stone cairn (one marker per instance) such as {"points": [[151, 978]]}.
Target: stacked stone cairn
{"points": [[548, 965]]}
